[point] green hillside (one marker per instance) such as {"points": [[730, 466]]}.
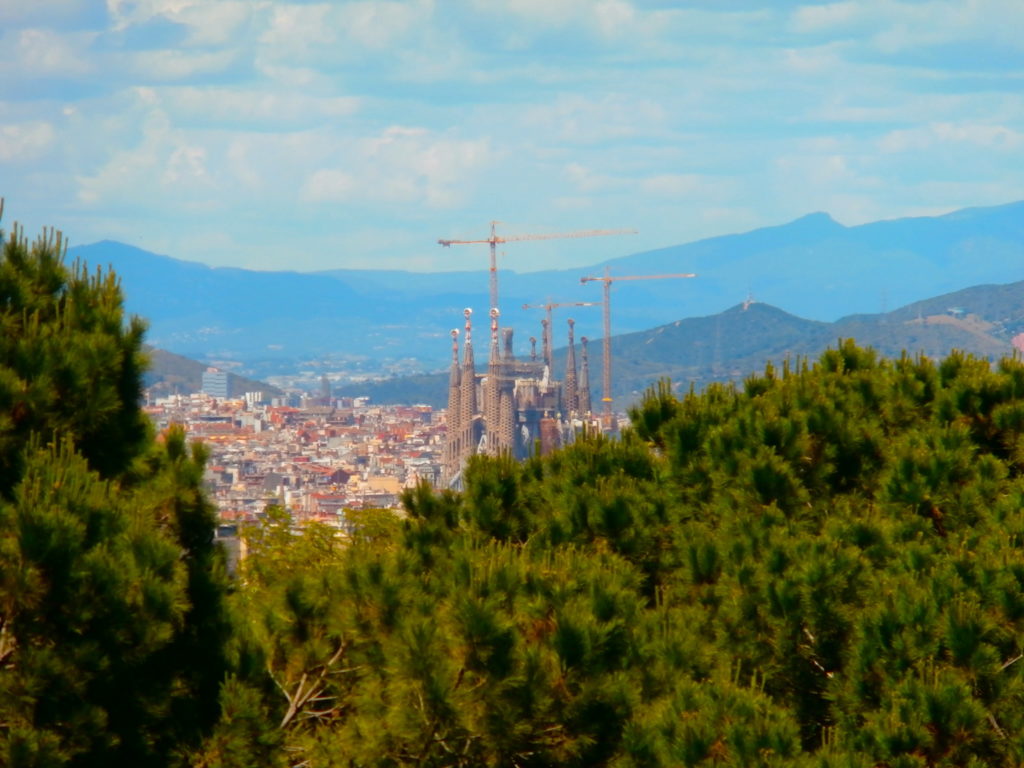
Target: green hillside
{"points": [[732, 344], [170, 374]]}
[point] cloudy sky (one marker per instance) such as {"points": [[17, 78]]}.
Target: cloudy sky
{"points": [[303, 135]]}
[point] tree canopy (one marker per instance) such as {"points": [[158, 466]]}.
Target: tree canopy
{"points": [[820, 567], [112, 624]]}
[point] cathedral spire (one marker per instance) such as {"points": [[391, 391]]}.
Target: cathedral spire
{"points": [[571, 394], [584, 396]]}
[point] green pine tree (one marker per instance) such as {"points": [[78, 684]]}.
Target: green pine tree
{"points": [[112, 627]]}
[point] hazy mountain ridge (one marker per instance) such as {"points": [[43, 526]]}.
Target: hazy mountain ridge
{"points": [[813, 266], [731, 345]]}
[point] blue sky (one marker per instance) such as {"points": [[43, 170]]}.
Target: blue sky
{"points": [[303, 135]]}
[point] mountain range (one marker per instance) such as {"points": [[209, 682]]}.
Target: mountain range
{"points": [[814, 267], [730, 345]]}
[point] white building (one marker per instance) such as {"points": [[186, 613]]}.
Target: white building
{"points": [[215, 383]]}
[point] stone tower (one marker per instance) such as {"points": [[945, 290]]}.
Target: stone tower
{"points": [[452, 446], [584, 397], [570, 396]]}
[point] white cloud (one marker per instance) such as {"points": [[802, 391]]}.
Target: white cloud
{"points": [[250, 108], [815, 61], [185, 164], [209, 22], [279, 110], [584, 119], [25, 142], [402, 165], [14, 13], [693, 187], [378, 24], [896, 102], [265, 167], [126, 13], [45, 53], [985, 136], [165, 167], [241, 164], [817, 170], [384, 40], [847, 184], [632, 30], [998, 138], [215, 23], [331, 186], [296, 27], [950, 195], [828, 17], [546, 12], [674, 185], [291, 77], [613, 17], [169, 65], [892, 26], [944, 21], [586, 180]]}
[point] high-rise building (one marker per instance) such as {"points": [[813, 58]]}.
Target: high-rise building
{"points": [[215, 383]]}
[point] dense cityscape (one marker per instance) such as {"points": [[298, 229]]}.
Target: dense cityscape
{"points": [[316, 456]]}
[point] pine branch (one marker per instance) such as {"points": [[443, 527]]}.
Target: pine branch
{"points": [[1014, 660], [313, 692], [8, 644], [995, 726]]}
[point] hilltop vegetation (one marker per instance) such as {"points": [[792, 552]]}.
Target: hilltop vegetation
{"points": [[733, 344], [820, 566]]}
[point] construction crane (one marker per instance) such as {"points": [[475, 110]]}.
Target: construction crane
{"points": [[546, 340], [495, 238], [607, 279]]}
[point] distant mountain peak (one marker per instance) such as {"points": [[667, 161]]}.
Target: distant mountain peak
{"points": [[118, 246], [813, 266], [817, 219]]}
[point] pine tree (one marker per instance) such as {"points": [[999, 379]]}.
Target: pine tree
{"points": [[111, 619]]}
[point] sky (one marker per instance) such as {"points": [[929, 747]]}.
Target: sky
{"points": [[308, 136]]}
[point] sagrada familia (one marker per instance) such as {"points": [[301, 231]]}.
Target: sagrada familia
{"points": [[516, 407]]}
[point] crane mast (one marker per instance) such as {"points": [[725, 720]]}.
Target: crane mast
{"points": [[495, 238], [547, 326], [606, 347]]}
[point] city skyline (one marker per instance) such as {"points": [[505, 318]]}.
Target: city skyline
{"points": [[355, 134]]}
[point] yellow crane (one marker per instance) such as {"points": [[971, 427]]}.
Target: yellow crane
{"points": [[608, 279], [495, 238], [546, 340]]}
